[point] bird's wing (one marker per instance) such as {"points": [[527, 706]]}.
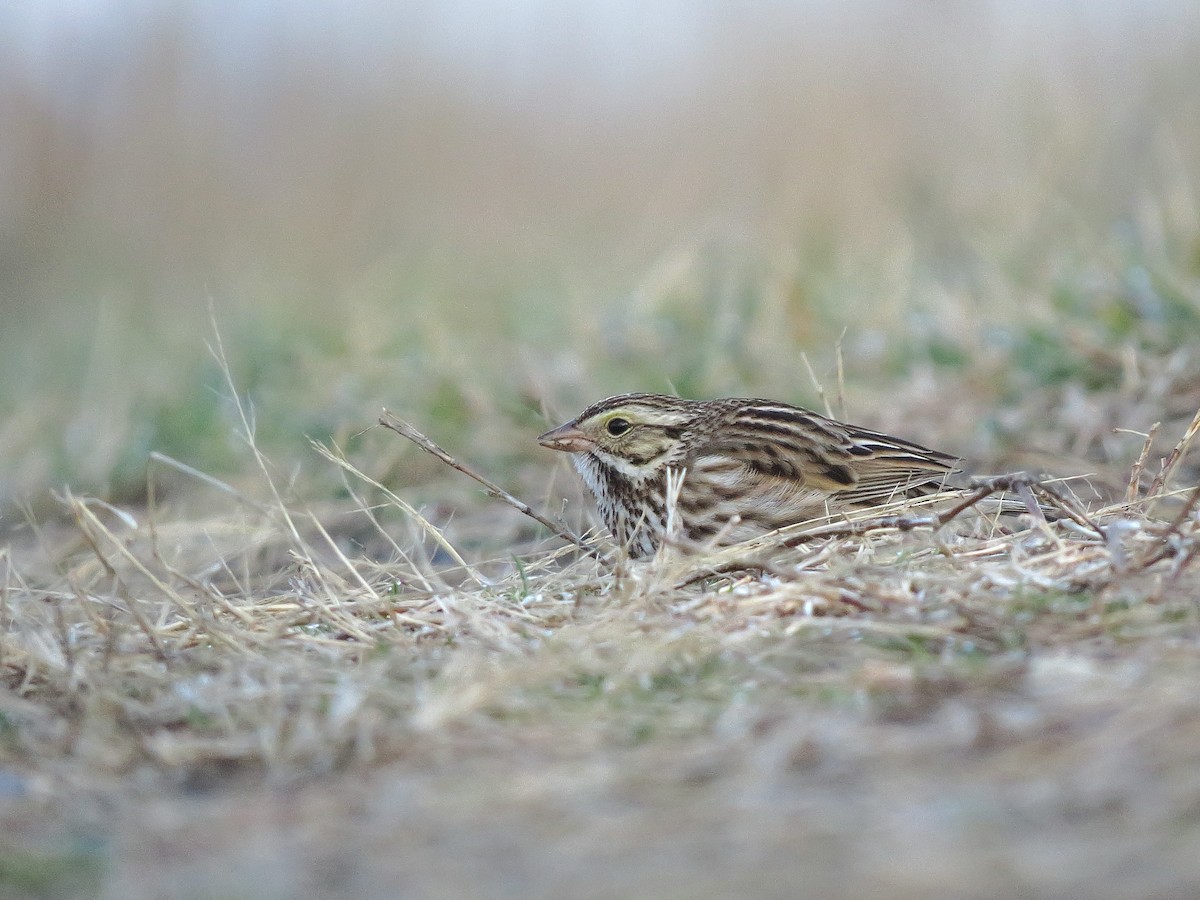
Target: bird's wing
{"points": [[886, 468], [779, 449]]}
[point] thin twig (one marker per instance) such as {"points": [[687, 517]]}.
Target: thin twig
{"points": [[841, 376], [1031, 505], [1188, 506], [83, 519], [1139, 465], [212, 482], [405, 430], [992, 486], [428, 527], [1164, 540], [1070, 510], [812, 376], [248, 433], [1175, 457]]}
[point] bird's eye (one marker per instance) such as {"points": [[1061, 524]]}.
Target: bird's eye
{"points": [[617, 427]]}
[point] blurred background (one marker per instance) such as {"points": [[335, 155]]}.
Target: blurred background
{"points": [[484, 215]]}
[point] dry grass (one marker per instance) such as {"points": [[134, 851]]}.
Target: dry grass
{"points": [[261, 648], [263, 642], [181, 645]]}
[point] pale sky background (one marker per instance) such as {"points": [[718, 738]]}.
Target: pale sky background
{"points": [[620, 48]]}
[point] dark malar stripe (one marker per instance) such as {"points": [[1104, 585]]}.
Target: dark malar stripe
{"points": [[643, 460], [617, 485]]}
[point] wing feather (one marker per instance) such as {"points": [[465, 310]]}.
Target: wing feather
{"points": [[784, 452]]}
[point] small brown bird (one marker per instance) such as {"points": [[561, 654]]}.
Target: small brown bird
{"points": [[748, 466]]}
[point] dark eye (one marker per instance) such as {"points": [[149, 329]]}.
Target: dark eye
{"points": [[617, 426]]}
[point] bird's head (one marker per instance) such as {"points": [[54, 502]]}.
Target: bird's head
{"points": [[636, 434]]}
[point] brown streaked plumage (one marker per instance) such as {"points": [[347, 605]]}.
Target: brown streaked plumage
{"points": [[749, 466]]}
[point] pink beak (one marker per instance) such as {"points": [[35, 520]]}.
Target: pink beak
{"points": [[567, 438]]}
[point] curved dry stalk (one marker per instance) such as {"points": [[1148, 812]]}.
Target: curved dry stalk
{"points": [[1174, 458], [405, 430]]}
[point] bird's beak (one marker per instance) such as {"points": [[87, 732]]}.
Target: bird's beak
{"points": [[567, 438]]}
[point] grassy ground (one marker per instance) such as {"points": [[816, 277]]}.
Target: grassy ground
{"points": [[252, 645]]}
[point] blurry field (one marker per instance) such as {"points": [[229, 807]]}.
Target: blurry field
{"points": [[291, 655]]}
